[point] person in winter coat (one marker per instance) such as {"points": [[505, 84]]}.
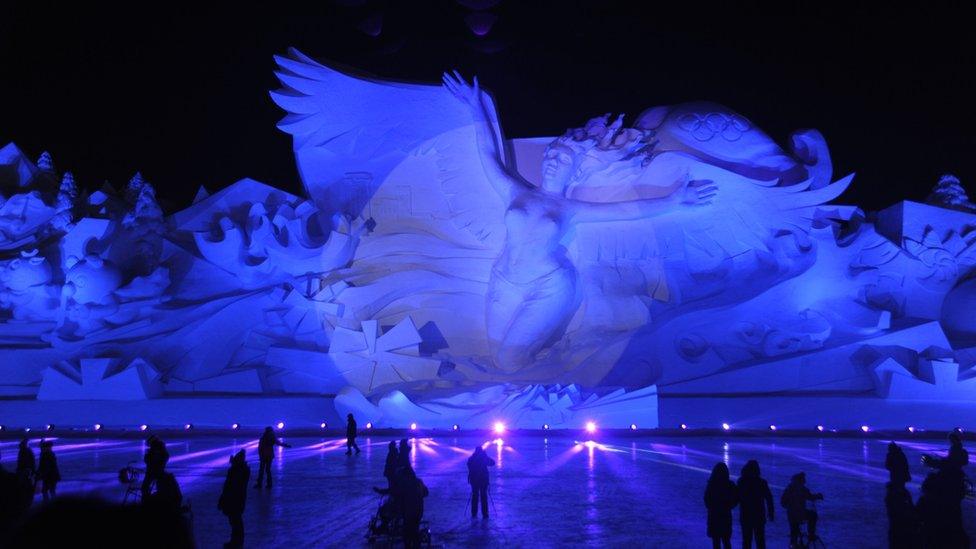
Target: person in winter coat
{"points": [[351, 435], [755, 505], [897, 465], [47, 470], [26, 462], [156, 458], [721, 496], [478, 465], [411, 492], [234, 497], [266, 446], [795, 499]]}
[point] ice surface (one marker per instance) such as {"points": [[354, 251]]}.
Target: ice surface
{"points": [[638, 491]]}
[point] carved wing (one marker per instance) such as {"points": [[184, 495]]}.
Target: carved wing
{"points": [[403, 155], [351, 131]]}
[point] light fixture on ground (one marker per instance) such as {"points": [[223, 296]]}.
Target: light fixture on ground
{"points": [[455, 427], [820, 428], [726, 426], [683, 427], [49, 427], [545, 426], [369, 425], [188, 427], [98, 426], [633, 426], [499, 427], [281, 425], [413, 426], [143, 427], [772, 427], [323, 425], [590, 427], [911, 429], [235, 426], [865, 428]]}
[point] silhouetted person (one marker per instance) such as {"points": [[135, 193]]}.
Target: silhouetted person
{"points": [[266, 446], [755, 504], [795, 499], [902, 518], [16, 495], [940, 505], [404, 453], [897, 464], [156, 458], [411, 492], [478, 465], [234, 496], [26, 463], [955, 460], [47, 470], [390, 466], [721, 496], [351, 435], [168, 495]]}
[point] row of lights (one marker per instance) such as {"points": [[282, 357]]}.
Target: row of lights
{"points": [[499, 427]]}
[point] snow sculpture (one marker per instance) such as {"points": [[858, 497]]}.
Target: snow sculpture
{"points": [[437, 272], [99, 379]]}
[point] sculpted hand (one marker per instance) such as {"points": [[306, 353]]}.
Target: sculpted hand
{"points": [[466, 93], [698, 193]]}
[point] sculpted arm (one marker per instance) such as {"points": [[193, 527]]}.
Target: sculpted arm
{"points": [[695, 193], [489, 147]]}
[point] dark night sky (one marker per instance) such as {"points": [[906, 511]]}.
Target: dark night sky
{"points": [[183, 98]]}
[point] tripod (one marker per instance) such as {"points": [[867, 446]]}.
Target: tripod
{"points": [[472, 502]]}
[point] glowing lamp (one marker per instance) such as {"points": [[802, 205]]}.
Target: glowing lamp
{"points": [[413, 426], [49, 427], [499, 427], [143, 427], [281, 425], [911, 429], [235, 426], [633, 426], [455, 427], [865, 428], [772, 427], [98, 426], [683, 427], [726, 426], [369, 425], [820, 428], [545, 426], [323, 425], [590, 427], [188, 426]]}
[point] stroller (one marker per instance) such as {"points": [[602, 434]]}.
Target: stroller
{"points": [[386, 526], [130, 476]]}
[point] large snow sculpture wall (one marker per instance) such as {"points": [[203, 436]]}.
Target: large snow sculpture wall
{"points": [[437, 272]]}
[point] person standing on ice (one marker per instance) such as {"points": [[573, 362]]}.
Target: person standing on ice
{"points": [[478, 465], [266, 446], [234, 497], [351, 435]]}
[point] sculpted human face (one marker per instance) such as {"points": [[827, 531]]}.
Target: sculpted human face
{"points": [[557, 168]]}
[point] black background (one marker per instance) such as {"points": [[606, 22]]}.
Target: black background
{"points": [[182, 96]]}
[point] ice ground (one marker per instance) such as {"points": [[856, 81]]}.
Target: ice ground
{"points": [[637, 491]]}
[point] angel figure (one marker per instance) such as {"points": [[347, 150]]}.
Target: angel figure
{"points": [[533, 290]]}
